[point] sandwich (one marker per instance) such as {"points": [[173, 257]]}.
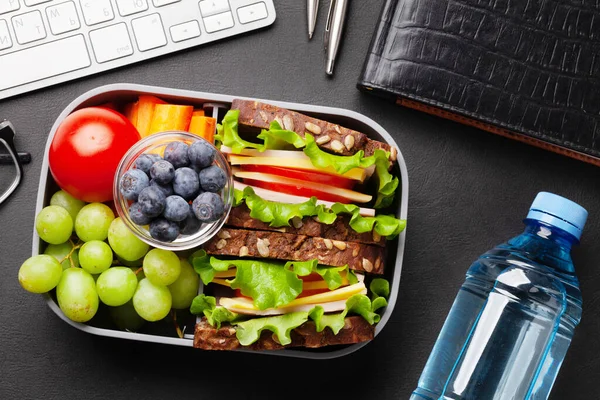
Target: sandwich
{"points": [[301, 259]]}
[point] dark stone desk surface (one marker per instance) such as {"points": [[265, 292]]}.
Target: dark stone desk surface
{"points": [[469, 190]]}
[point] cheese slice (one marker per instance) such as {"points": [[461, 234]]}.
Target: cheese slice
{"points": [[332, 306], [244, 305]]}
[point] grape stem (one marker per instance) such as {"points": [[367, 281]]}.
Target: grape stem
{"points": [[140, 269], [70, 255], [177, 329]]}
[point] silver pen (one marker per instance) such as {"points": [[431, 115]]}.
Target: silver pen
{"points": [[313, 8], [333, 31]]}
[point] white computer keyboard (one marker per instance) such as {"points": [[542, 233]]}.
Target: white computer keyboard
{"points": [[44, 42]]}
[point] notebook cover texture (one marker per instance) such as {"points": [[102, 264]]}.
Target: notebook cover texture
{"points": [[524, 69]]}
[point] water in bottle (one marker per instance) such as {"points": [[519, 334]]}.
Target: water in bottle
{"points": [[513, 319]]}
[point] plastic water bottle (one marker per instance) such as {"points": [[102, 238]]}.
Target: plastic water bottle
{"points": [[513, 319]]}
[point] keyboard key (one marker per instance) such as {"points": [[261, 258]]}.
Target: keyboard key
{"points": [[67, 55], [5, 41], [160, 3], [30, 3], [97, 11], [185, 31], [111, 42], [128, 7], [218, 22], [29, 27], [149, 32], [63, 18], [8, 6], [212, 7], [251, 13]]}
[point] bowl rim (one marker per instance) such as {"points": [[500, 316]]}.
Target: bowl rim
{"points": [[150, 143]]}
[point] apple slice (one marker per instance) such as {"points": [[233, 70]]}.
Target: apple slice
{"points": [[301, 187], [357, 174], [291, 199]]}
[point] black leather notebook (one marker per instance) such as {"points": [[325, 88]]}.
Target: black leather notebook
{"points": [[525, 69]]}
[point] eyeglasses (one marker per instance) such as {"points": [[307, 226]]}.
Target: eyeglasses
{"points": [[11, 162]]}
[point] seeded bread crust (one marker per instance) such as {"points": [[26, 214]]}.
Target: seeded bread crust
{"points": [[286, 246], [355, 330], [330, 137], [339, 230]]}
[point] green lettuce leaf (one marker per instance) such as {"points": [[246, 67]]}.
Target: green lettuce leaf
{"points": [[380, 292], [277, 138], [333, 277], [385, 225], [202, 264], [322, 159], [268, 284], [387, 183], [228, 131], [215, 316], [280, 214], [361, 305], [249, 331], [357, 304], [335, 322], [201, 303], [219, 315], [277, 214]]}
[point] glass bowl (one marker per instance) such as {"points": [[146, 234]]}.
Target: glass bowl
{"points": [[156, 144]]}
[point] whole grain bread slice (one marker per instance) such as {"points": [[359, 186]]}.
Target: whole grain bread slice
{"points": [[356, 329], [328, 136], [290, 247], [339, 230]]}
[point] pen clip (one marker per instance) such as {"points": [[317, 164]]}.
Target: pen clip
{"points": [[329, 22]]}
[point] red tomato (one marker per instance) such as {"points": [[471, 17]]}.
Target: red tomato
{"points": [[311, 176], [296, 190], [86, 151]]}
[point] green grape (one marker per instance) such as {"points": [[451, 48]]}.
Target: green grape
{"points": [[76, 295], [126, 318], [40, 274], [116, 286], [162, 267], [68, 202], [125, 244], [95, 256], [185, 288], [60, 251], [54, 225], [151, 302], [93, 221]]}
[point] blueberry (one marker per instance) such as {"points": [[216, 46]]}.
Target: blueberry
{"points": [[166, 189], [132, 182], [137, 216], [145, 161], [152, 201], [177, 154], [208, 207], [163, 230], [176, 209], [201, 154], [186, 183], [212, 179], [162, 172], [191, 224]]}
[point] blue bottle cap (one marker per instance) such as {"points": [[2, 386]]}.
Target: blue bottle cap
{"points": [[559, 212]]}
